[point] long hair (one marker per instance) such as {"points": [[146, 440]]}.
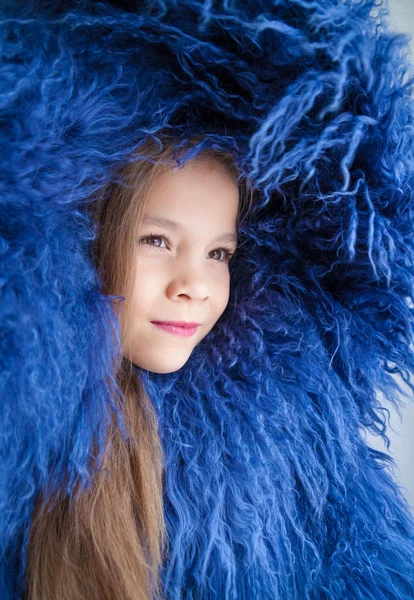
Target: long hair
{"points": [[109, 543]]}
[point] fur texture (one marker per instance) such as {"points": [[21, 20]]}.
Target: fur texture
{"points": [[271, 491]]}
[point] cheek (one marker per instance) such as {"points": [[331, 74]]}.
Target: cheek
{"points": [[222, 295], [145, 286]]}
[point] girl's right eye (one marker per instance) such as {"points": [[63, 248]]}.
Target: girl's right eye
{"points": [[152, 237]]}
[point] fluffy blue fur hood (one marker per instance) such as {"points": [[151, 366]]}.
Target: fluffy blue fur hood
{"points": [[271, 491]]}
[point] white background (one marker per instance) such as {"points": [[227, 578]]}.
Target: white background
{"points": [[402, 434]]}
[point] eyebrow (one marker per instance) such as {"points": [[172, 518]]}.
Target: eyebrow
{"points": [[163, 222]]}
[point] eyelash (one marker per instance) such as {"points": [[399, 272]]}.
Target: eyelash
{"points": [[228, 253]]}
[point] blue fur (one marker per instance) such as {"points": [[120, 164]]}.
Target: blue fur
{"points": [[271, 491]]}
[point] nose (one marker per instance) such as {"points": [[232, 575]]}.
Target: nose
{"points": [[194, 289], [189, 280]]}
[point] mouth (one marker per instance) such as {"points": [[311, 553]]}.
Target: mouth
{"points": [[180, 329]]}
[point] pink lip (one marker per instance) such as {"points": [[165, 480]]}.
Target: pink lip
{"points": [[182, 330], [190, 325]]}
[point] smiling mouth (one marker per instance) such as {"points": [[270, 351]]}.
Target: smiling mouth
{"points": [[176, 330]]}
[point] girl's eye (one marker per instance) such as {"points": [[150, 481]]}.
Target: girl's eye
{"points": [[227, 253], [152, 237]]}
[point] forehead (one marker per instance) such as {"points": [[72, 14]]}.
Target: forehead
{"points": [[199, 190]]}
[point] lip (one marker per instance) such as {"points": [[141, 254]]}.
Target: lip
{"points": [[178, 328], [185, 324]]}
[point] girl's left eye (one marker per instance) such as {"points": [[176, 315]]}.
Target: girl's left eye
{"points": [[228, 254]]}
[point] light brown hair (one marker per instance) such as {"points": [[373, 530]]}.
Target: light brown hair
{"points": [[109, 543]]}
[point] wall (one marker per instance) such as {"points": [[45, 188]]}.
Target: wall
{"points": [[402, 433]]}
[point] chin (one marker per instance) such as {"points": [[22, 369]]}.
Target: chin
{"points": [[160, 366], [160, 369], [165, 370]]}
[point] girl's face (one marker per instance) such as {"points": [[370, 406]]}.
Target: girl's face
{"points": [[182, 271]]}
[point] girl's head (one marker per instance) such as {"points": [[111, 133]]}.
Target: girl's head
{"points": [[167, 234]]}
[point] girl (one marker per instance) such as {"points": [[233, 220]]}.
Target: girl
{"points": [[109, 542]]}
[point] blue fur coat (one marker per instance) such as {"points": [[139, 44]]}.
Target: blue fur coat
{"points": [[271, 490]]}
